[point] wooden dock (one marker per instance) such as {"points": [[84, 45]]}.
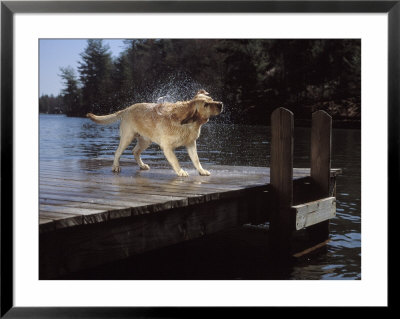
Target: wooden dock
{"points": [[90, 216], [71, 195], [74, 193]]}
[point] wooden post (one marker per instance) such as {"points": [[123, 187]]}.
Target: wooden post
{"points": [[321, 144], [281, 179], [282, 155]]}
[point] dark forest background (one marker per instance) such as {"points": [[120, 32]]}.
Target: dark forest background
{"points": [[252, 77]]}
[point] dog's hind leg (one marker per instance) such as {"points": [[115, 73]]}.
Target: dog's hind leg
{"points": [[142, 144], [126, 138]]}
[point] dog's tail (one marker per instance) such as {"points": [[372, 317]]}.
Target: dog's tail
{"points": [[105, 119]]}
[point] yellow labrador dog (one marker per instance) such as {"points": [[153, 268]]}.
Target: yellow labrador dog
{"points": [[170, 125]]}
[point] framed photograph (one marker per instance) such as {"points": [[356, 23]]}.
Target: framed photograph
{"points": [[266, 146]]}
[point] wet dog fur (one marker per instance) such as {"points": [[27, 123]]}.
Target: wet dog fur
{"points": [[170, 125]]}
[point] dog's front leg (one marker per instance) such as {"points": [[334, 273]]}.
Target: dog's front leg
{"points": [[192, 151], [169, 154]]}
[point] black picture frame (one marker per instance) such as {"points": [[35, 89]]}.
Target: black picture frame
{"points": [[9, 8]]}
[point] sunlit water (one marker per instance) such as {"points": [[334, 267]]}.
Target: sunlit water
{"points": [[78, 138]]}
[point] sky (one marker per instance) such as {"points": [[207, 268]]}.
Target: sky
{"points": [[54, 54]]}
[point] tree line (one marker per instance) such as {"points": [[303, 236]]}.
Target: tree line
{"points": [[251, 76]]}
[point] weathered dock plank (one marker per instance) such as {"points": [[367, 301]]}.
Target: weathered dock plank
{"points": [[315, 212], [182, 190]]}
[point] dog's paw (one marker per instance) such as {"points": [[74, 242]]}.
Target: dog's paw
{"points": [[204, 172], [182, 173], [145, 167], [116, 169]]}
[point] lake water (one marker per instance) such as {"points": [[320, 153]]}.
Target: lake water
{"points": [[77, 138]]}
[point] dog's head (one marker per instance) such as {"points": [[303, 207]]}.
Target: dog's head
{"points": [[201, 108]]}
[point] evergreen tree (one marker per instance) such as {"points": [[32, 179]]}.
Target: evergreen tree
{"points": [[95, 71], [71, 92], [122, 79], [50, 104]]}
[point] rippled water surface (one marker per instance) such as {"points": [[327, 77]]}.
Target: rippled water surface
{"points": [[77, 138]]}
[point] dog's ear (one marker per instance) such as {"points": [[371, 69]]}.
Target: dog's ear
{"points": [[190, 114], [190, 117], [203, 92]]}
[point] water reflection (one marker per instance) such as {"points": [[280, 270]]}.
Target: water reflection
{"points": [[78, 138]]}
